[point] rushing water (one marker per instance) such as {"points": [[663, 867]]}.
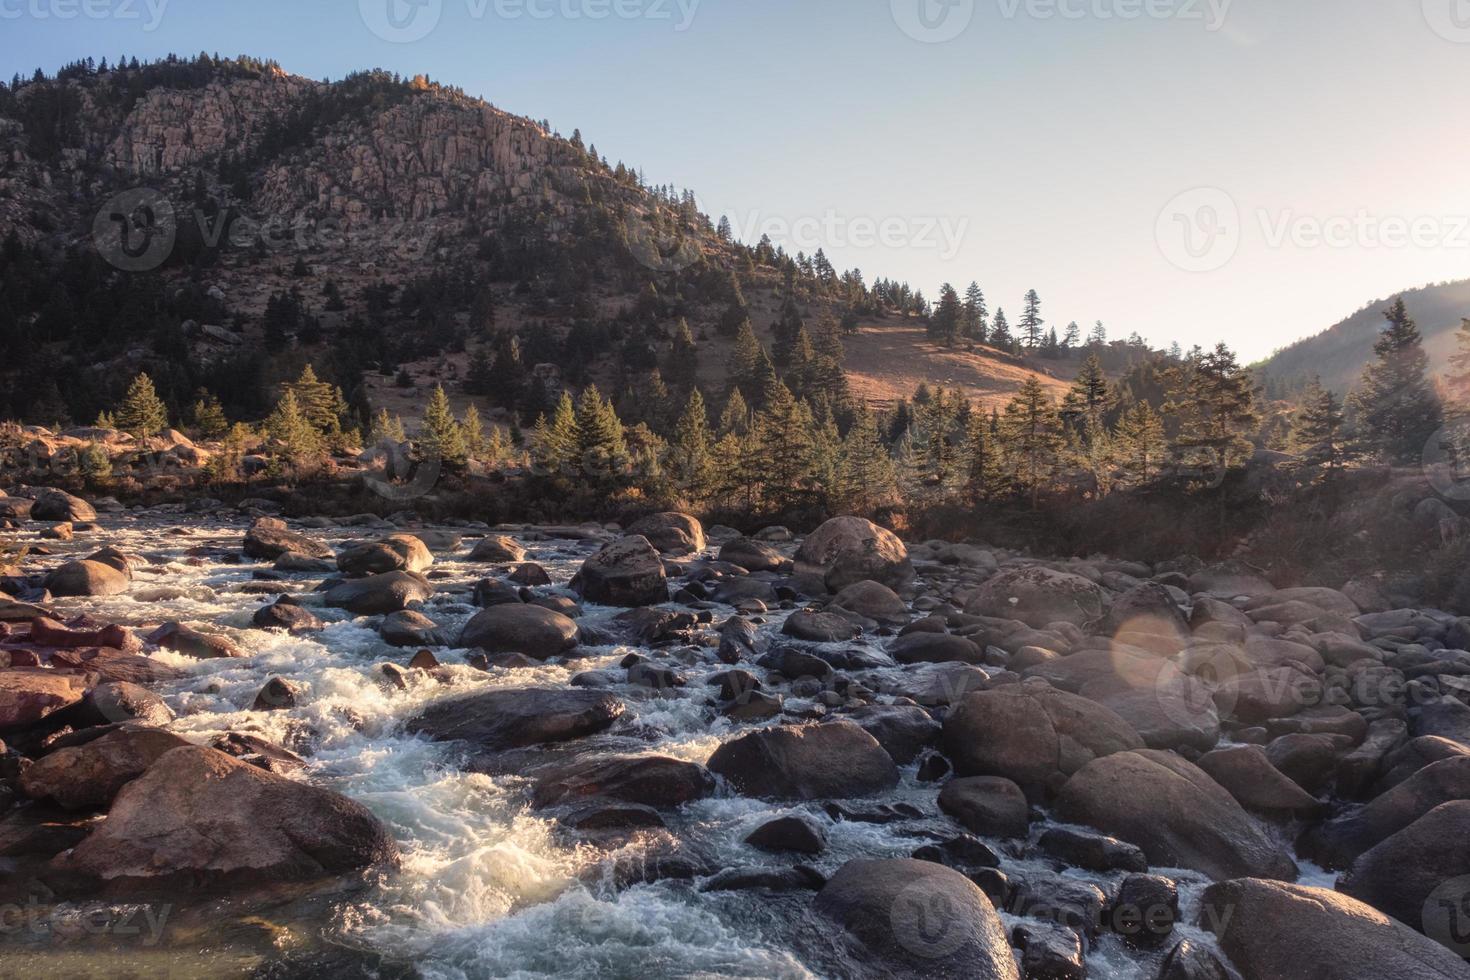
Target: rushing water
{"points": [[487, 887]]}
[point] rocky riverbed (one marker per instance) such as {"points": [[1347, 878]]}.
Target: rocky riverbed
{"points": [[242, 746]]}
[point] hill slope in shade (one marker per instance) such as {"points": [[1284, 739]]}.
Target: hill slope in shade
{"points": [[1339, 354]]}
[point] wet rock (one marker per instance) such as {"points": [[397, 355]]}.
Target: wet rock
{"points": [[654, 780], [87, 578], [754, 706], [1401, 875], [286, 615], [278, 694], [1092, 852], [87, 777], [1191, 961], [1039, 596], [817, 627], [872, 600], [529, 574], [1270, 930], [935, 648], [733, 683], [293, 563], [1145, 910], [837, 760], [394, 553], [259, 752], [516, 717], [753, 556], [599, 815], [81, 632], [798, 878], [1032, 734], [1308, 760], [884, 910], [1408, 758], [672, 534], [793, 663], [57, 505], [627, 572], [1049, 951], [1336, 844], [986, 805], [934, 685], [380, 594], [193, 643], [654, 677], [497, 549], [269, 538], [31, 694], [198, 820], [1069, 901], [903, 730], [797, 834], [1248, 775], [963, 852], [847, 550], [411, 629], [119, 701], [1174, 812]]}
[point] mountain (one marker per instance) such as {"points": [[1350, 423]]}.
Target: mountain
{"points": [[1339, 354], [220, 222]]}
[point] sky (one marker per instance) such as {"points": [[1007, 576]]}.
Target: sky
{"points": [[1249, 171]]}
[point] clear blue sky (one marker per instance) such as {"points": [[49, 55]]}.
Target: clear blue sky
{"points": [[1048, 137]]}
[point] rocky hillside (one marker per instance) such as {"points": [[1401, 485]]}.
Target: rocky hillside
{"points": [[1339, 354], [373, 223]]}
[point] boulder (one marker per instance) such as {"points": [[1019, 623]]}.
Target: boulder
{"points": [[198, 820], [269, 538], [31, 694], [410, 628], [872, 600], [653, 780], [87, 578], [120, 701], [395, 553], [914, 919], [88, 776], [672, 534], [903, 730], [1336, 844], [1248, 775], [1229, 580], [818, 627], [794, 834], [380, 594], [193, 643], [497, 549], [537, 632], [986, 805], [1039, 596], [1168, 708], [57, 505], [835, 760], [288, 616], [753, 556], [1177, 814], [1145, 616], [1032, 734], [508, 718], [628, 572], [935, 648], [1401, 874], [1271, 930], [847, 550]]}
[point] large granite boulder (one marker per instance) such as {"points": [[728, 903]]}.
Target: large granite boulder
{"points": [[672, 534], [509, 718], [1177, 814], [88, 578], [651, 780], [1337, 843], [537, 632], [1032, 734], [628, 572], [1039, 596], [836, 760], [914, 919], [379, 595], [395, 553], [497, 549], [269, 538], [198, 820], [848, 550], [1401, 875], [58, 505], [88, 776], [31, 694]]}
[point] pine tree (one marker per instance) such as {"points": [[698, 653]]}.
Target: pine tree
{"points": [[601, 448], [745, 366], [1090, 398], [288, 425], [472, 432], [1396, 406], [387, 427], [1141, 441], [1032, 433], [142, 413], [1213, 399], [554, 443], [440, 436], [681, 369], [867, 478], [736, 418], [1000, 332], [985, 477], [321, 403], [976, 324], [946, 323], [1031, 321], [1317, 433], [690, 463], [207, 416], [783, 435]]}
